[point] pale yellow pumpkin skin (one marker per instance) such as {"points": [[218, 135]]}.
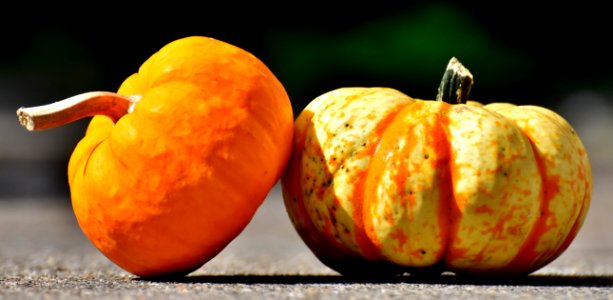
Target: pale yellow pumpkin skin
{"points": [[380, 179]]}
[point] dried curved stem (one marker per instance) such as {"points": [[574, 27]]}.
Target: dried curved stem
{"points": [[74, 108], [456, 83]]}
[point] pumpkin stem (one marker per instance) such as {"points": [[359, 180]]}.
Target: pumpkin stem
{"points": [[74, 108], [456, 83]]}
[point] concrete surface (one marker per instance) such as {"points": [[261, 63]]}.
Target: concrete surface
{"points": [[43, 255]]}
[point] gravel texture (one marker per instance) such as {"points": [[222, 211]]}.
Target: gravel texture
{"points": [[44, 255]]}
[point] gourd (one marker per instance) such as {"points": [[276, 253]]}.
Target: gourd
{"points": [[174, 165], [382, 183]]}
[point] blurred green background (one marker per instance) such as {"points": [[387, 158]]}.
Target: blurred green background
{"points": [[556, 56]]}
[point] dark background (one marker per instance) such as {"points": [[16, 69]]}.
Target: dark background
{"points": [[557, 56]]}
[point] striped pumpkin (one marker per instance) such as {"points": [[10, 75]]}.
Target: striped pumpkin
{"points": [[379, 182]]}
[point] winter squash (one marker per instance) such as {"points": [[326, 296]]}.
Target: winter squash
{"points": [[174, 165], [381, 183]]}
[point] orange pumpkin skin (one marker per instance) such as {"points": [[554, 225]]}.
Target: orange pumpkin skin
{"points": [[168, 186], [381, 183]]}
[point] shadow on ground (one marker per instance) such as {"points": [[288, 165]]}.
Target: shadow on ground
{"points": [[531, 280]]}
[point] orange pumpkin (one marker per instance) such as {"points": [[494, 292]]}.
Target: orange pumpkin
{"points": [[382, 183], [174, 166]]}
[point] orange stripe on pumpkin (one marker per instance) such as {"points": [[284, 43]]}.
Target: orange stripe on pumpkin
{"points": [[364, 192], [442, 148], [527, 255], [585, 203]]}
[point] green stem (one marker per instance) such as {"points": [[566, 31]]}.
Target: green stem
{"points": [[456, 83]]}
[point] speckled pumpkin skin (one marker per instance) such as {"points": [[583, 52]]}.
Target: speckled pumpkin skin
{"points": [[381, 183]]}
